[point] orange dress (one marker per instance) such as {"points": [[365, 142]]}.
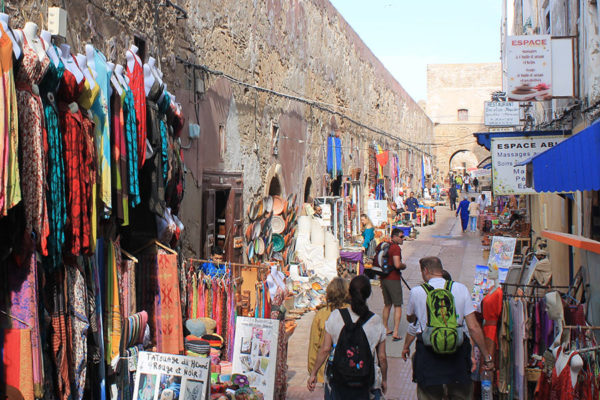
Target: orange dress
{"points": [[491, 308]]}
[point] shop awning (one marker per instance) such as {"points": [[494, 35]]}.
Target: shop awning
{"points": [[570, 166], [485, 138], [573, 240]]}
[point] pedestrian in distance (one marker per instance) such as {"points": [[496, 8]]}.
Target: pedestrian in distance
{"points": [[473, 214], [475, 184], [351, 373], [438, 311], [391, 284], [463, 210], [467, 183], [452, 195], [459, 182], [336, 297], [411, 205]]}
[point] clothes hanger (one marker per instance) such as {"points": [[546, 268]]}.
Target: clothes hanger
{"points": [[128, 255]]}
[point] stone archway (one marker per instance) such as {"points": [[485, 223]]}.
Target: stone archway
{"points": [[274, 182], [462, 160]]}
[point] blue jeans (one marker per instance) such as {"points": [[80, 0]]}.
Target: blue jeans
{"points": [[473, 223]]}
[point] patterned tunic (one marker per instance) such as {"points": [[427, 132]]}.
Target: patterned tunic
{"points": [[33, 143], [136, 82]]}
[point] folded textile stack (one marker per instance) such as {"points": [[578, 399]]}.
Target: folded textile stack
{"points": [[197, 345]]}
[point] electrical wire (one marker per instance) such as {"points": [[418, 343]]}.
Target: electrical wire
{"points": [[312, 103]]}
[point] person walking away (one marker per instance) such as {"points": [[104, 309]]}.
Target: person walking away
{"points": [[411, 205], [459, 182], [368, 235], [473, 214], [452, 195], [475, 183], [467, 182], [391, 285], [336, 297], [343, 331], [437, 311], [463, 210]]}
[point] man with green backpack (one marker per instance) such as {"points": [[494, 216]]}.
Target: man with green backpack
{"points": [[437, 312]]}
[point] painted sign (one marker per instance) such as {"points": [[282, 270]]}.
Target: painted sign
{"points": [[502, 113], [377, 211], [502, 251], [255, 352], [529, 68], [507, 152], [173, 377]]}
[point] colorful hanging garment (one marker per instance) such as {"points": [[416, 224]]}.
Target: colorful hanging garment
{"points": [[101, 116], [59, 336], [334, 156], [17, 361], [55, 196], [113, 308], [381, 156], [167, 303], [136, 82], [24, 298], [119, 160], [78, 325], [130, 123], [33, 143], [10, 188]]}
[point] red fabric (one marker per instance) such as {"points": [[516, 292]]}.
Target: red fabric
{"points": [[491, 307], [561, 386], [168, 316], [17, 361], [79, 156], [136, 83], [394, 251], [383, 158]]}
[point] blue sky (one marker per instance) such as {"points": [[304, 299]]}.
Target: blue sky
{"points": [[406, 35]]}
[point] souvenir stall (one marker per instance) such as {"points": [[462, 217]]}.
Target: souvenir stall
{"points": [[89, 198]]}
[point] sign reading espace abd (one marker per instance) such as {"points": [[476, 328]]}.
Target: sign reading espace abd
{"points": [[501, 113]]}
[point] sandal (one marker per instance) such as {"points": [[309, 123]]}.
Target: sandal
{"points": [[390, 333], [396, 339]]}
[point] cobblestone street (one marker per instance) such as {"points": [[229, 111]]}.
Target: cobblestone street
{"points": [[459, 253]]}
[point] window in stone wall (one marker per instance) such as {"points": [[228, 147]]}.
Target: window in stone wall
{"points": [[463, 114], [222, 141], [141, 45], [275, 138]]}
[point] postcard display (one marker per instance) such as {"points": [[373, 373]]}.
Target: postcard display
{"points": [[255, 352], [168, 376]]}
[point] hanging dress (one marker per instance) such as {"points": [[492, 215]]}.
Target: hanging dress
{"points": [[33, 143], [130, 124], [101, 115], [119, 157], [55, 196], [153, 189], [561, 385], [136, 82], [10, 189], [79, 164]]}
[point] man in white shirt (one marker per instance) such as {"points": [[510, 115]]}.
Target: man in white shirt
{"points": [[483, 202], [399, 200], [433, 372]]}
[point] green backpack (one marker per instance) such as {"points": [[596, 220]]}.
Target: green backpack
{"points": [[442, 332]]}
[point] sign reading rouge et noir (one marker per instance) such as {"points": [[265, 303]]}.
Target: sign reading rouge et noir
{"points": [[507, 152], [502, 113], [529, 68]]}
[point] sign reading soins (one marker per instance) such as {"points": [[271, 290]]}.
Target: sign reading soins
{"points": [[501, 113], [507, 153], [529, 68]]}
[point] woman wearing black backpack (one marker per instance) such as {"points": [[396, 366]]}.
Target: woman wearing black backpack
{"points": [[358, 337]]}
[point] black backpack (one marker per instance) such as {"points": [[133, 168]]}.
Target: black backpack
{"points": [[353, 364], [381, 265]]}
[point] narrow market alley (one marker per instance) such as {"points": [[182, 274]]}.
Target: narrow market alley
{"points": [[459, 253]]}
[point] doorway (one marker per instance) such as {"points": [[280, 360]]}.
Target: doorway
{"points": [[222, 205], [307, 187], [275, 187]]}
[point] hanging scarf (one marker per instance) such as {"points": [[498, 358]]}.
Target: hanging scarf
{"points": [[334, 156]]}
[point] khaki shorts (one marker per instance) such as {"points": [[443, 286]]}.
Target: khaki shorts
{"points": [[392, 292]]}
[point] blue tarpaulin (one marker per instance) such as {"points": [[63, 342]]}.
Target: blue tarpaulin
{"points": [[573, 165], [334, 156]]}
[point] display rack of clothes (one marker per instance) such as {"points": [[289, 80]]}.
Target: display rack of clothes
{"points": [[525, 332]]}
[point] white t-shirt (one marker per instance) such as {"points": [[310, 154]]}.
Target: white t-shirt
{"points": [[417, 305], [483, 203], [399, 202], [373, 328]]}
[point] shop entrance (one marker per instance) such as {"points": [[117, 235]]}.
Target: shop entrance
{"points": [[275, 187], [222, 205]]}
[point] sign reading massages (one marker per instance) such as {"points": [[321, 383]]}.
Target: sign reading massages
{"points": [[529, 68], [507, 152]]}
